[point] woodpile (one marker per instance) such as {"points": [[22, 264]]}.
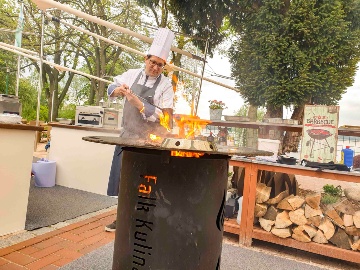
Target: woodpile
{"points": [[306, 219]]}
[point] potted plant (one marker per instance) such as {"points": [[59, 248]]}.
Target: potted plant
{"points": [[216, 109]]}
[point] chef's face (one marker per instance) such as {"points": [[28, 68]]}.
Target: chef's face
{"points": [[154, 65]]}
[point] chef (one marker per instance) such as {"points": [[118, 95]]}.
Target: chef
{"points": [[147, 95]]}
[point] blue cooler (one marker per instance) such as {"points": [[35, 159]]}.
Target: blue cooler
{"points": [[44, 171]]}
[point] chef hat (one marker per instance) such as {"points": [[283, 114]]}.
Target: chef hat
{"points": [[161, 44]]}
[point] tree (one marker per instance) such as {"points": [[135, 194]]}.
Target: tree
{"points": [[8, 21], [287, 52], [102, 59], [297, 53], [162, 13]]}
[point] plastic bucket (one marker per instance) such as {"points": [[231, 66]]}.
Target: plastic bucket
{"points": [[44, 172]]}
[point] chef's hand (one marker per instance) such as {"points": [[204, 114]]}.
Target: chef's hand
{"points": [[120, 91], [134, 100]]}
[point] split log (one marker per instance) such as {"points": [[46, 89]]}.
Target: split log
{"points": [[348, 220], [301, 236], [313, 200], [334, 217], [283, 233], [266, 224], [356, 245], [262, 193], [341, 239], [328, 228], [352, 230], [298, 217], [296, 202], [345, 207], [310, 231], [316, 221], [284, 204], [279, 197], [260, 209], [312, 212], [320, 238], [282, 220], [356, 219], [271, 213]]}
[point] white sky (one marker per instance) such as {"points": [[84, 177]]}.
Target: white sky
{"points": [[349, 104]]}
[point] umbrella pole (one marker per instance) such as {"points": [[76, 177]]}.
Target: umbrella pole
{"points": [[41, 67]]}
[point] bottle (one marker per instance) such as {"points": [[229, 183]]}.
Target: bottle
{"points": [[347, 156]]}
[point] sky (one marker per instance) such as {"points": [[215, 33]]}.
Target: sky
{"points": [[349, 104]]}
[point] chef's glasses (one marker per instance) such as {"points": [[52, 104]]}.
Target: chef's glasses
{"points": [[153, 63]]}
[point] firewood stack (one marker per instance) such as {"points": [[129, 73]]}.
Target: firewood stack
{"points": [[306, 219]]}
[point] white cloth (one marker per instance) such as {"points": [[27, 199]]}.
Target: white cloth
{"points": [[164, 94]]}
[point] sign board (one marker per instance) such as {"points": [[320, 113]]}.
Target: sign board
{"points": [[320, 133]]}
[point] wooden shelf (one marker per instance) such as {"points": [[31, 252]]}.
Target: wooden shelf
{"points": [[246, 229], [231, 226], [322, 249]]}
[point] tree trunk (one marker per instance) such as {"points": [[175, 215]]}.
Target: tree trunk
{"points": [[273, 112], [252, 134], [290, 142]]}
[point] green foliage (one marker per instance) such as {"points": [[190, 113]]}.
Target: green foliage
{"points": [[68, 111], [298, 53], [331, 190], [329, 199], [331, 194]]}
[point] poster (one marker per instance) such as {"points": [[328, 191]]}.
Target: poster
{"points": [[320, 133]]}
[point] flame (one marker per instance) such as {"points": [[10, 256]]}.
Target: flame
{"points": [[153, 137], [186, 154], [165, 121], [190, 125], [174, 81]]}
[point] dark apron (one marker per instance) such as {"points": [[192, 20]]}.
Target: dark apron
{"points": [[134, 126]]}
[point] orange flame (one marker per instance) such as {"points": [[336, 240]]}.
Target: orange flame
{"points": [[165, 121], [153, 137], [186, 154], [190, 125]]}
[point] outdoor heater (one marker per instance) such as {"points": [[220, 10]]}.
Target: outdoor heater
{"points": [[171, 203]]}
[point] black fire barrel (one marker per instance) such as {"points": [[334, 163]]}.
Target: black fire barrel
{"points": [[170, 211]]}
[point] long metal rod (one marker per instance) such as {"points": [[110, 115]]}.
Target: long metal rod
{"points": [[59, 67], [202, 74], [45, 4], [17, 76], [19, 59], [170, 66], [40, 68]]}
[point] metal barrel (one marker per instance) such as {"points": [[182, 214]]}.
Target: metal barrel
{"points": [[170, 211]]}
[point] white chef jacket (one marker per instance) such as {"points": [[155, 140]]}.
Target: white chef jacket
{"points": [[164, 94]]}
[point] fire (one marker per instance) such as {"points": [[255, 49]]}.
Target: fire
{"points": [[165, 121], [190, 125], [186, 154], [153, 137]]}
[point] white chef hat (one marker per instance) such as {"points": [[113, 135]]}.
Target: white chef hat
{"points": [[161, 44]]}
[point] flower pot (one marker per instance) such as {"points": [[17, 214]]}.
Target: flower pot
{"points": [[215, 114]]}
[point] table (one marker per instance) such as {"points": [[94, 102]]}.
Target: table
{"points": [[79, 164], [16, 155]]}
